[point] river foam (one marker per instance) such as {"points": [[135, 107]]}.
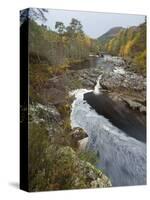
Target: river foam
{"points": [[122, 157]]}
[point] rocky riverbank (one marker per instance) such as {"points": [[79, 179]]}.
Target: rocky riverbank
{"points": [[112, 77], [107, 76], [64, 149], [119, 98]]}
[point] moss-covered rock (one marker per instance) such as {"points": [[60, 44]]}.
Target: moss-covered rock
{"points": [[74, 173], [42, 113]]}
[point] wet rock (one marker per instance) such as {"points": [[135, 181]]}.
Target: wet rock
{"points": [[114, 59], [99, 183], [83, 144], [121, 79], [125, 86], [135, 105], [78, 133]]}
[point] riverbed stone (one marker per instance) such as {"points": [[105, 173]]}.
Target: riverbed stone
{"points": [[78, 133], [135, 105], [83, 144], [127, 80]]}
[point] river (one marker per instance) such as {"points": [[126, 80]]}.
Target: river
{"points": [[114, 133]]}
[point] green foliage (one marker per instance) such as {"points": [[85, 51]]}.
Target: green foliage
{"points": [[88, 156], [140, 60], [75, 27], [106, 37], [38, 143], [51, 53], [46, 170], [60, 27], [53, 48], [33, 13], [129, 43], [39, 74], [56, 70], [38, 77], [53, 166], [44, 45]]}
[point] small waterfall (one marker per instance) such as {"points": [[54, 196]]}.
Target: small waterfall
{"points": [[122, 158], [97, 86]]}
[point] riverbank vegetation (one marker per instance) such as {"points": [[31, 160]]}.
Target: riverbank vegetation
{"points": [[55, 167], [130, 43], [64, 46]]}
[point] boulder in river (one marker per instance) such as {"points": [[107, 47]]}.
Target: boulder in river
{"points": [[135, 105], [83, 144], [78, 134]]}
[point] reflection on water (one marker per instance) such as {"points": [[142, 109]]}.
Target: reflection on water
{"points": [[118, 115]]}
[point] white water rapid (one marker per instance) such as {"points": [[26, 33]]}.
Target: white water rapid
{"points": [[122, 157]]}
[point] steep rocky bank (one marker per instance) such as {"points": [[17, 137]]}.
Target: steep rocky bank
{"points": [[77, 171]]}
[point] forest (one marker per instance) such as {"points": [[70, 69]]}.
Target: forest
{"points": [[53, 52], [63, 46], [128, 43]]}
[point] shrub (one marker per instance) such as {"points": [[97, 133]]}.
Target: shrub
{"points": [[88, 156]]}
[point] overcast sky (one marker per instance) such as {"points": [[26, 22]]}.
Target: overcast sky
{"points": [[94, 23]]}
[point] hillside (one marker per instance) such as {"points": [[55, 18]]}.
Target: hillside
{"points": [[109, 34], [129, 43]]}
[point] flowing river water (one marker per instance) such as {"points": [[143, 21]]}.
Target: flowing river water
{"points": [[114, 133]]}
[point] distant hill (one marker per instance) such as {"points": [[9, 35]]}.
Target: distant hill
{"points": [[110, 34]]}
